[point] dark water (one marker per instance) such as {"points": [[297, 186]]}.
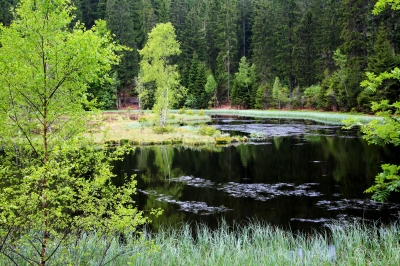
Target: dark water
{"points": [[300, 175]]}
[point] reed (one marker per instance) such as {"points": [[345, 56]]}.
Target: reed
{"points": [[325, 117], [255, 243]]}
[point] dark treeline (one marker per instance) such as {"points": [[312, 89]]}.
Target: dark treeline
{"points": [[260, 53]]}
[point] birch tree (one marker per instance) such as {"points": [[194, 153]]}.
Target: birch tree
{"points": [[155, 67]]}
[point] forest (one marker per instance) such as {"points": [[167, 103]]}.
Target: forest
{"points": [[253, 54]]}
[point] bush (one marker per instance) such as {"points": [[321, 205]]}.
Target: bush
{"points": [[162, 130], [223, 140], [208, 130], [182, 110], [312, 96], [189, 112], [201, 112]]}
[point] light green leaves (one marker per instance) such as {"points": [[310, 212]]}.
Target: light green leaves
{"points": [[380, 5], [155, 67], [52, 182], [386, 182]]}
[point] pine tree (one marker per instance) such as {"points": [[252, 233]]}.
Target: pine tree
{"points": [[356, 22], [227, 42], [120, 22], [144, 20], [262, 39], [384, 60], [200, 82], [305, 52], [162, 10]]}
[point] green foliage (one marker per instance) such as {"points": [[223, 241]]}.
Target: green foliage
{"points": [[387, 131], [182, 110], [143, 121], [386, 182], [280, 94], [261, 97], [163, 129], [201, 112], [312, 96], [197, 96], [381, 133], [211, 89], [243, 85], [208, 130], [189, 112], [161, 45], [381, 63], [119, 16], [104, 93], [52, 182], [222, 140], [380, 5]]}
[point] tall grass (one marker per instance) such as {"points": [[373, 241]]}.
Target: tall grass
{"points": [[251, 244], [324, 117]]}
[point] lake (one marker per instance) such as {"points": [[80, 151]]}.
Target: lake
{"points": [[297, 174]]}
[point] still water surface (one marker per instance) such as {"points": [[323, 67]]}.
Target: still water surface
{"points": [[300, 176]]}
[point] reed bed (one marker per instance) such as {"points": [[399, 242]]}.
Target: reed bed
{"points": [[324, 117], [252, 244]]}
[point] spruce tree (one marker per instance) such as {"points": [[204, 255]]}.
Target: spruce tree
{"points": [[384, 60], [120, 22]]}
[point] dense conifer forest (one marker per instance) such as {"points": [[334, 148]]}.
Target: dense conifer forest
{"points": [[253, 53]]}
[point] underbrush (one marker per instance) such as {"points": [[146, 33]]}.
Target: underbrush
{"points": [[251, 244]]}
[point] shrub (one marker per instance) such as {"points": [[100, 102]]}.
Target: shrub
{"points": [[201, 112], [223, 140], [182, 110], [208, 130], [189, 112], [162, 130]]}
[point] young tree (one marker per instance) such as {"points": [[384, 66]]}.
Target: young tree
{"points": [[241, 93], [51, 183], [211, 89], [279, 93], [161, 45], [261, 96]]}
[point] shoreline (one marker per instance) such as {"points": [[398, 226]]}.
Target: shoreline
{"points": [[121, 127]]}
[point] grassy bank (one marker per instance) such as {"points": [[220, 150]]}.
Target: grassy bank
{"points": [[324, 117], [116, 127], [253, 244]]}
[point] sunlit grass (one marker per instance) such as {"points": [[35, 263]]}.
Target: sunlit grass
{"points": [[325, 117], [252, 244], [115, 126]]}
